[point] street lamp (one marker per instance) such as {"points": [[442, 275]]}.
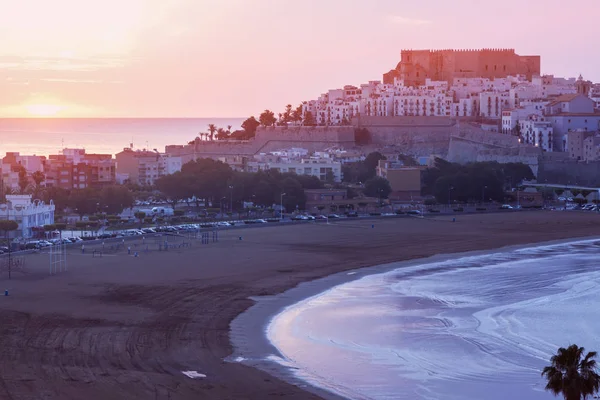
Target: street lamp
{"points": [[281, 209], [231, 199], [449, 198], [483, 194], [222, 210]]}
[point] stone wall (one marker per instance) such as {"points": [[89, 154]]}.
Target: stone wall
{"points": [[466, 145], [270, 139], [526, 155], [569, 172], [414, 136], [311, 138]]}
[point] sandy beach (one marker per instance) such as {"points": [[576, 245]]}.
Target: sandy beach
{"points": [[124, 327]]}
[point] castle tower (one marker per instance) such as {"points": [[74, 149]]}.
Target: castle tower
{"points": [[583, 87]]}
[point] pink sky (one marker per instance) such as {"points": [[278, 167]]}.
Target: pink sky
{"points": [[234, 58]]}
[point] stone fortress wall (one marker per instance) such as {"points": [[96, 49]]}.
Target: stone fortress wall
{"points": [[270, 139], [415, 136], [416, 66]]}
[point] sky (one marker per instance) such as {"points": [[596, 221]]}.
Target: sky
{"points": [[235, 58]]}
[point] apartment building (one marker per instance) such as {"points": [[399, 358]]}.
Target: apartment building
{"points": [[405, 181], [145, 167], [320, 167], [76, 169]]}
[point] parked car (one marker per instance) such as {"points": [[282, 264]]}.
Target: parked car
{"points": [[352, 214], [506, 207], [414, 212], [333, 216]]}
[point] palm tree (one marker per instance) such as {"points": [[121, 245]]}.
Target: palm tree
{"points": [[212, 128], [570, 375], [229, 129], [38, 177]]}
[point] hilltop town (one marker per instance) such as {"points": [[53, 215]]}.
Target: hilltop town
{"points": [[461, 106]]}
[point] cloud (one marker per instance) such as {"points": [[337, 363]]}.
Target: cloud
{"points": [[71, 80], [400, 20], [37, 63]]}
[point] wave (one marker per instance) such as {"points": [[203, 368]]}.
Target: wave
{"points": [[472, 327]]}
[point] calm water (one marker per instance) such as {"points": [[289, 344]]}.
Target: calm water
{"points": [[45, 136], [471, 328]]}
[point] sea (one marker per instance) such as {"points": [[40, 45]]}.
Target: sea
{"points": [[475, 327], [44, 136]]}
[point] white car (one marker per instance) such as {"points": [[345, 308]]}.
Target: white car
{"points": [[223, 223], [506, 207]]}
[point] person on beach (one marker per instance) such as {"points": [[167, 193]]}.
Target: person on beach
{"points": [[83, 249], [129, 250]]}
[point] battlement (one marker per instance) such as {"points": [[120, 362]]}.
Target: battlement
{"points": [[495, 50], [445, 64]]}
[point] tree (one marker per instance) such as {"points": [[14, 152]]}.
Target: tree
{"points": [[329, 176], [267, 118], [249, 126], [309, 119], [297, 114], [362, 171], [517, 130], [571, 374], [362, 136], [173, 186], [113, 199], [23, 179], [8, 226], [371, 162], [222, 134], [229, 129], [378, 187], [38, 177], [212, 128], [58, 195], [294, 194], [287, 115], [140, 215], [84, 201]]}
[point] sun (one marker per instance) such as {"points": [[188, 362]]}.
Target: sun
{"points": [[43, 110]]}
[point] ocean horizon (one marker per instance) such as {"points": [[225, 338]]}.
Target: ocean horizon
{"points": [[468, 327], [44, 136]]}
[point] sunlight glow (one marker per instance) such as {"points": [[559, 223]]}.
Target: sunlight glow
{"points": [[43, 110]]}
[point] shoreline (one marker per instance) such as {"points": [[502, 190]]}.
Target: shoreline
{"points": [[249, 330], [160, 325]]}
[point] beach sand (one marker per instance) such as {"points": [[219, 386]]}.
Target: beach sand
{"points": [[124, 327]]}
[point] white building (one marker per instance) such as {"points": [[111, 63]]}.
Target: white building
{"points": [[27, 213], [320, 168], [491, 104], [537, 130]]}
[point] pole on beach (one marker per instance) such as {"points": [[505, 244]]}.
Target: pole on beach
{"points": [[281, 208]]}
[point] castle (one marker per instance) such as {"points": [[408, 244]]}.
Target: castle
{"points": [[444, 65]]}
